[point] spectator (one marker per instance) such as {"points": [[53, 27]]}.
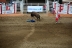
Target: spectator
{"points": [[44, 7]]}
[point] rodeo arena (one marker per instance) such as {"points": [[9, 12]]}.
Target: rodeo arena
{"points": [[35, 24]]}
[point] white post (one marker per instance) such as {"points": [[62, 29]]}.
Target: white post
{"points": [[47, 6], [54, 0], [31, 4], [38, 4], [21, 7], [17, 0], [23, 1], [58, 1], [45, 1]]}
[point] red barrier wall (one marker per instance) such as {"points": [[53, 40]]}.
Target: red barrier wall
{"points": [[3, 1]]}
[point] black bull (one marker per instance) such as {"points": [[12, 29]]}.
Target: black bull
{"points": [[34, 14]]}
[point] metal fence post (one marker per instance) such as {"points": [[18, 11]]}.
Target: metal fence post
{"points": [[47, 6], [21, 7]]}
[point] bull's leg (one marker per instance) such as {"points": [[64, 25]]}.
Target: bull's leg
{"points": [[32, 18], [38, 18]]}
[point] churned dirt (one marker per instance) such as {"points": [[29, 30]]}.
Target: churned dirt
{"points": [[16, 32]]}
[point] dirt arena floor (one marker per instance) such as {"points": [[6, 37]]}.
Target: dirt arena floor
{"points": [[15, 32]]}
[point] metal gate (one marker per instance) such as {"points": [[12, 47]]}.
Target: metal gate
{"points": [[25, 4]]}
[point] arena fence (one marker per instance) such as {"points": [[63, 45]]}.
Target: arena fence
{"points": [[45, 9], [65, 8], [25, 6], [21, 7], [8, 8]]}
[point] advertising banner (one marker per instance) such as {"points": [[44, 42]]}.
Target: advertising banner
{"points": [[65, 8], [3, 8], [8, 9], [35, 8], [61, 8], [70, 9]]}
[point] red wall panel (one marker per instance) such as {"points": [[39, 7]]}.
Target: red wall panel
{"points": [[2, 0]]}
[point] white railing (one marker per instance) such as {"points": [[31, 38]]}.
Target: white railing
{"points": [[32, 4]]}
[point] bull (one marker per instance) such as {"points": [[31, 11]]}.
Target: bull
{"points": [[35, 14]]}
